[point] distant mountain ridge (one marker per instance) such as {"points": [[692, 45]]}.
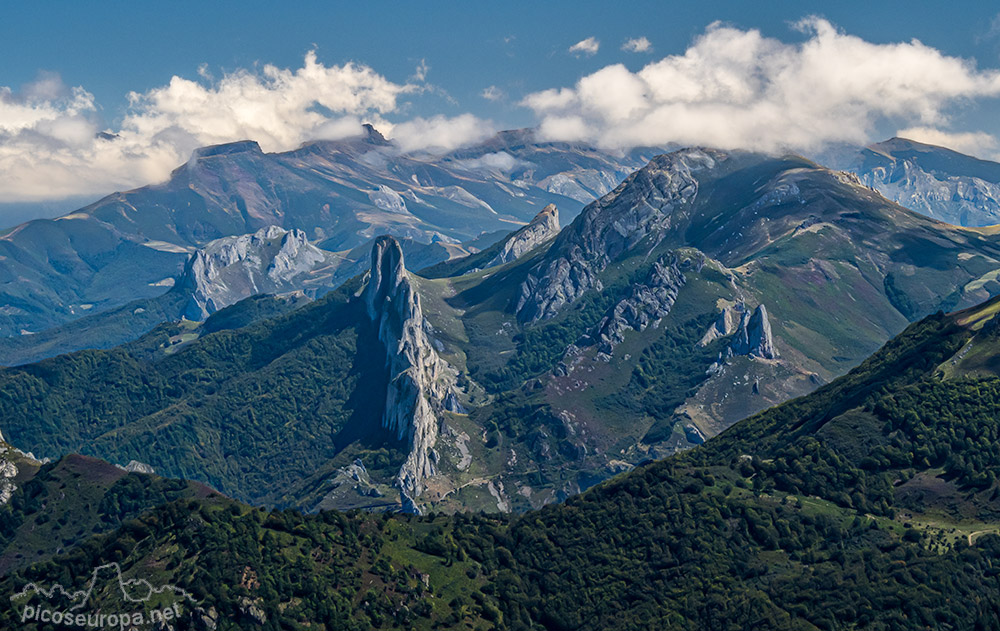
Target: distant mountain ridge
{"points": [[931, 180], [341, 194], [706, 287]]}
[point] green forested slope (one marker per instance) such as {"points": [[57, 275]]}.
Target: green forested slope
{"points": [[252, 412], [870, 504]]}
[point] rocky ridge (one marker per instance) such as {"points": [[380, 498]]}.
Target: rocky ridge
{"points": [[647, 304], [641, 206], [543, 227], [934, 181], [420, 382], [227, 270]]}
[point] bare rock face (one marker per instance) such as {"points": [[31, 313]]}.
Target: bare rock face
{"points": [[724, 325], [644, 204], [419, 381], [753, 335], [648, 303], [227, 270], [543, 227]]}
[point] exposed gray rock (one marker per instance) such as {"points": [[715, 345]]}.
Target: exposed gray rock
{"points": [[753, 335], [134, 466], [388, 200], [642, 205], [723, 326], [934, 181], [647, 304], [419, 381], [8, 471], [543, 227], [227, 270]]}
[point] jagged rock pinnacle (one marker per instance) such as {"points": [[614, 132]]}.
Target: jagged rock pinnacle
{"points": [[419, 381], [540, 229], [753, 335]]}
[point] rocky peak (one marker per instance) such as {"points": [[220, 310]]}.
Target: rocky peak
{"points": [[419, 381], [642, 205], [753, 335], [724, 325], [227, 270], [373, 136], [543, 227]]}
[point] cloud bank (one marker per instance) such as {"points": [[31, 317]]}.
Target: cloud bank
{"points": [[731, 88], [735, 88], [53, 143]]}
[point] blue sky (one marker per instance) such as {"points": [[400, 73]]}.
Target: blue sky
{"points": [[518, 49], [112, 48]]}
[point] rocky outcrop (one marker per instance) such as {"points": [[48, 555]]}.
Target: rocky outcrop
{"points": [[724, 325], [643, 205], [647, 304], [227, 270], [543, 227], [753, 335], [419, 381], [134, 466]]}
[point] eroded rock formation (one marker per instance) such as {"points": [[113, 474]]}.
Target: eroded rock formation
{"points": [[753, 335], [647, 304], [227, 270], [419, 381], [543, 227], [644, 204]]}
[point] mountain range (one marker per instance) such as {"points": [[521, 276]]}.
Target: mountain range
{"points": [[525, 385], [341, 194], [706, 287], [934, 181]]}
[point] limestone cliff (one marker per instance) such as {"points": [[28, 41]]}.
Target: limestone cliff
{"points": [[543, 227], [271, 260], [643, 205], [419, 381], [647, 304]]}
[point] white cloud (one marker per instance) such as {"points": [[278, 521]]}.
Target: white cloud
{"points": [[588, 47], [50, 148], [973, 143], [637, 45], [440, 134], [497, 161], [492, 93], [420, 74], [738, 89]]}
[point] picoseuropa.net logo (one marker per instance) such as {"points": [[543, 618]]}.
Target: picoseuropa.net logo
{"points": [[124, 603]]}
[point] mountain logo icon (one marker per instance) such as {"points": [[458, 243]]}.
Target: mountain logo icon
{"points": [[124, 602]]}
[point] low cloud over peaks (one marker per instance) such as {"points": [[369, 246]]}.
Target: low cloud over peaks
{"points": [[52, 145], [731, 88], [735, 88]]}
